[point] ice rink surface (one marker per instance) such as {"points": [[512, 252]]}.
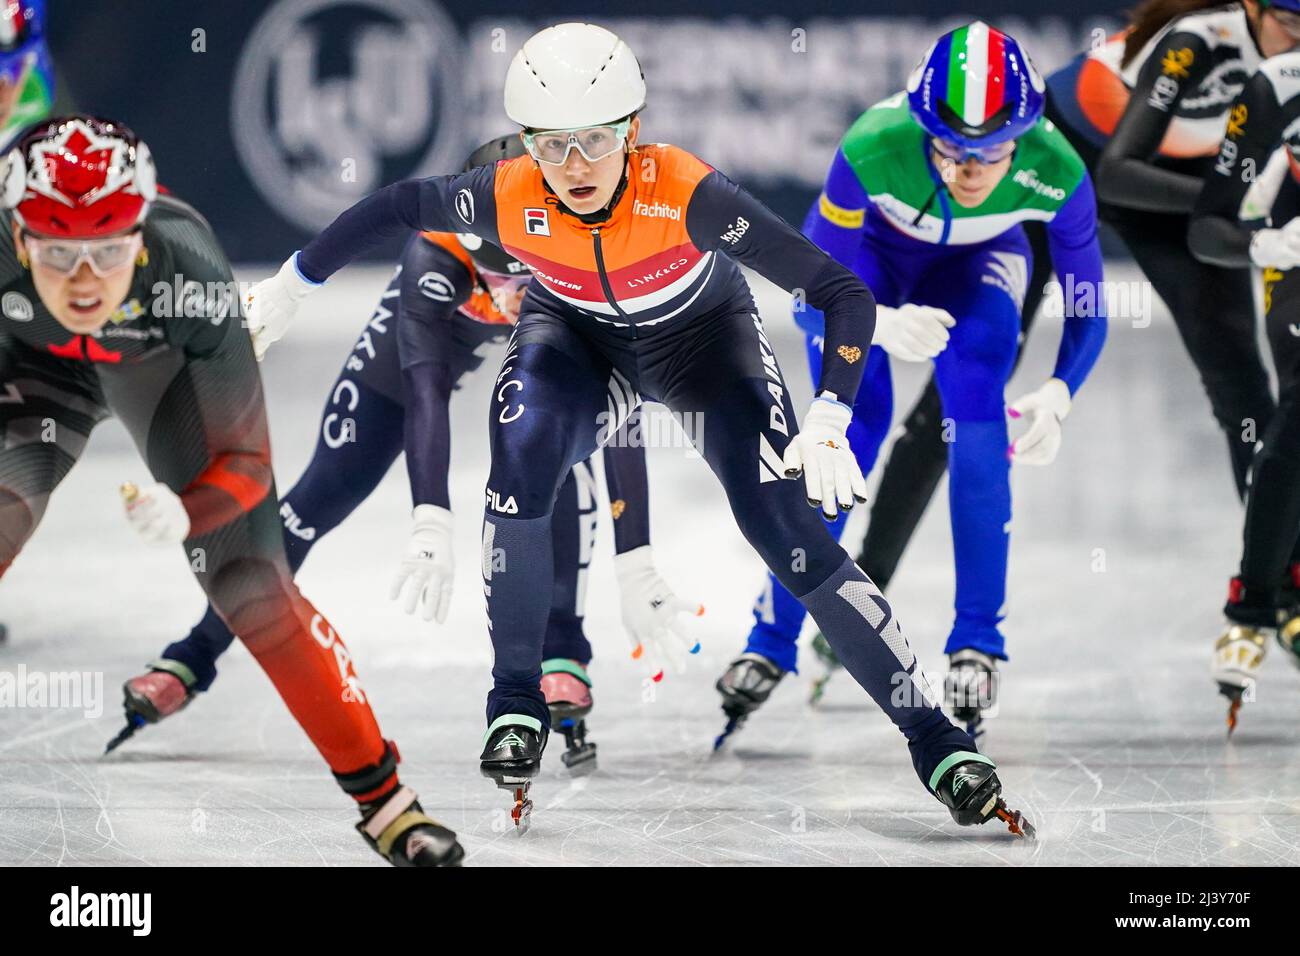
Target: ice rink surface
{"points": [[1110, 737]]}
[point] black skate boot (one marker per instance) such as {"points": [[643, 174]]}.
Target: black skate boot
{"points": [[969, 787], [1252, 621], [971, 689], [165, 689], [512, 755], [830, 663], [1288, 629], [399, 831], [744, 686], [567, 690]]}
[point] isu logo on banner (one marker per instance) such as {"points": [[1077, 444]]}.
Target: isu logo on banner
{"points": [[332, 99]]}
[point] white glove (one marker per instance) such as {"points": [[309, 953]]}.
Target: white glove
{"points": [[913, 333], [650, 610], [1277, 248], [1046, 408], [425, 575], [272, 304], [821, 451], [156, 513]]}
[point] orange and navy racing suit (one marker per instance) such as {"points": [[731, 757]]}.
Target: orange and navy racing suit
{"points": [[645, 300]]}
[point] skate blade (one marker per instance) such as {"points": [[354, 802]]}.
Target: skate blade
{"points": [[818, 690], [1234, 695], [580, 760], [522, 812], [733, 724], [133, 723], [1016, 822]]}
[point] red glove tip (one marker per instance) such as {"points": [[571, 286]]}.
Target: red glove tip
{"points": [[658, 677]]}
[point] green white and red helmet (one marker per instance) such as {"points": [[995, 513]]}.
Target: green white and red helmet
{"points": [[976, 87]]}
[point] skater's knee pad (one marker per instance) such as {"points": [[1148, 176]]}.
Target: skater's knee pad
{"points": [[524, 479], [529, 464], [232, 486]]}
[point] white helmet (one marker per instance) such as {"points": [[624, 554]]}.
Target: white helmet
{"points": [[573, 75]]}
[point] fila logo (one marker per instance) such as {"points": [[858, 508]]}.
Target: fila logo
{"points": [[536, 222], [465, 206], [293, 524], [507, 507]]}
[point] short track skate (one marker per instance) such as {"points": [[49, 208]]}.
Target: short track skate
{"points": [[512, 756]]}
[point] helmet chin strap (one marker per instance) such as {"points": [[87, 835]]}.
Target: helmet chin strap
{"points": [[602, 214]]}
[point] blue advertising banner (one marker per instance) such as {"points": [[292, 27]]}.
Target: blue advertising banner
{"points": [[271, 116]]}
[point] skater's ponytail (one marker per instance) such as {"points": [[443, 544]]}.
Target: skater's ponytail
{"points": [[1151, 16]]}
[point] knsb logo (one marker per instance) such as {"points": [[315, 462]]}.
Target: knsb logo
{"points": [[315, 138]]}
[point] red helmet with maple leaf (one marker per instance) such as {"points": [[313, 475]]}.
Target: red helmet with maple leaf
{"points": [[80, 177]]}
